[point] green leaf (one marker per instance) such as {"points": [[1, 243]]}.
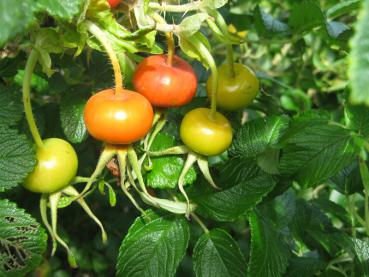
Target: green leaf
{"points": [[364, 172], [11, 106], [269, 253], [217, 254], [359, 65], [233, 202], [281, 210], [361, 250], [315, 150], [166, 170], [191, 24], [305, 16], [332, 208], [269, 161], [255, 136], [295, 100], [71, 116], [64, 10], [267, 26], [16, 17], [304, 266], [311, 226], [214, 4], [37, 82], [17, 158], [348, 180], [342, 8], [336, 30], [185, 43], [357, 119], [154, 246], [237, 169], [23, 241]]}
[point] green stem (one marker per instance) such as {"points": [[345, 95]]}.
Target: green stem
{"points": [[230, 60], [101, 37], [351, 209], [206, 55], [162, 25], [199, 221], [196, 5], [364, 172], [366, 212], [30, 66]]}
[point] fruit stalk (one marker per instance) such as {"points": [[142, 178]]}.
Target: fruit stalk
{"points": [[101, 37], [170, 44], [30, 66], [230, 62]]}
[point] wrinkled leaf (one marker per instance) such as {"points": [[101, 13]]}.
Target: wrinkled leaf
{"points": [[217, 254], [17, 158], [23, 241]]}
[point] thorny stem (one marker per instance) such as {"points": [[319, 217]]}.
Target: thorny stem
{"points": [[196, 5], [230, 60], [30, 66], [171, 49], [101, 37]]}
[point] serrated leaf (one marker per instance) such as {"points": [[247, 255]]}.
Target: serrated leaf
{"points": [[255, 136], [357, 119], [11, 106], [315, 150], [217, 254], [305, 16], [269, 253], [64, 10], [22, 239], [16, 16], [17, 158], [166, 170], [153, 248], [359, 66], [233, 202], [191, 24], [71, 116], [268, 26]]}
